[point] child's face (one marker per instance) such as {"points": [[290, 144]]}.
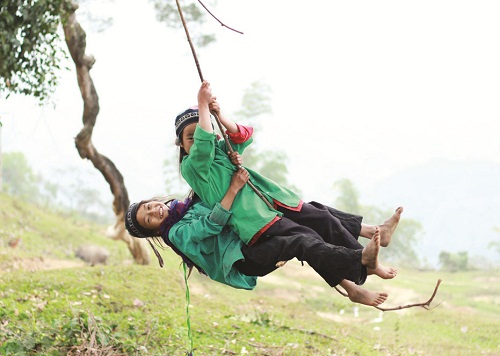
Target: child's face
{"points": [[150, 215], [187, 139]]}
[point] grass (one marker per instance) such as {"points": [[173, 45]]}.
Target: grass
{"points": [[126, 309]]}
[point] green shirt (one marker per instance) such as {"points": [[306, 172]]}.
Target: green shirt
{"points": [[208, 170], [201, 236]]}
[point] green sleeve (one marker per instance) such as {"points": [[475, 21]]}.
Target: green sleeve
{"points": [[219, 215], [202, 153]]}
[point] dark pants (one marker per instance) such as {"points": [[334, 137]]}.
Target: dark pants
{"points": [[323, 237], [334, 226]]}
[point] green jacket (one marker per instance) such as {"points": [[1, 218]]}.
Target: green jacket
{"points": [[208, 170], [201, 236]]}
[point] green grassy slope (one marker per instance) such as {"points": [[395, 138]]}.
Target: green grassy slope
{"points": [[141, 310]]}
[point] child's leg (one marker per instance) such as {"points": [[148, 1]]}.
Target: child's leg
{"points": [[286, 240], [351, 222], [383, 272], [386, 228], [360, 295]]}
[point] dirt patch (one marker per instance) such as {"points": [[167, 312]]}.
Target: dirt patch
{"points": [[487, 279], [288, 276], [39, 263]]}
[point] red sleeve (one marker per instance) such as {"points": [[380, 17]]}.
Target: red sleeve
{"points": [[243, 134]]}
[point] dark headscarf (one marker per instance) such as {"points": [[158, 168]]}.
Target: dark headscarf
{"points": [[131, 223]]}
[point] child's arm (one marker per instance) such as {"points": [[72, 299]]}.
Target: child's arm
{"points": [[230, 126], [238, 181], [204, 99], [198, 228]]}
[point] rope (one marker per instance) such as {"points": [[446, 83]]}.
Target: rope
{"points": [[188, 317], [228, 144]]}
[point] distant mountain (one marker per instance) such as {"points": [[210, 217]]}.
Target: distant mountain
{"points": [[458, 204]]}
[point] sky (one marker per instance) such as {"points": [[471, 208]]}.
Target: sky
{"points": [[360, 89]]}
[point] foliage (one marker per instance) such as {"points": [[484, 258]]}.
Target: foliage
{"points": [[402, 247], [194, 15], [30, 46], [255, 106], [256, 101], [18, 177], [348, 198], [495, 244], [21, 181], [454, 262]]}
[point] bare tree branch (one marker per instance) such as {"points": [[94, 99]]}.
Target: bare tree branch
{"points": [[424, 305], [223, 25]]}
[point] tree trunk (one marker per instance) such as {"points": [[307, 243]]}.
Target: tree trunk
{"points": [[76, 40], [1, 169]]}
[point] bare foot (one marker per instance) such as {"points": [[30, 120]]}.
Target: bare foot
{"points": [[369, 257], [383, 272], [387, 228], [360, 295]]}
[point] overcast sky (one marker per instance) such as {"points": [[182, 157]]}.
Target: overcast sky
{"points": [[361, 89]]}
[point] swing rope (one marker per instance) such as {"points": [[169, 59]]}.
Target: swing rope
{"points": [[219, 124], [188, 317]]}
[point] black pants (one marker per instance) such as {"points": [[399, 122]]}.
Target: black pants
{"points": [[323, 237], [334, 226]]}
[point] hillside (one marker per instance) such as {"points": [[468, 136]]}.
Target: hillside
{"points": [[32, 237], [458, 204], [63, 306]]}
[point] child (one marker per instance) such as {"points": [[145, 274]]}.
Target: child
{"points": [[199, 234], [205, 166]]}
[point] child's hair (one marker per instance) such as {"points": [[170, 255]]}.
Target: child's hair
{"points": [[183, 119], [182, 153]]}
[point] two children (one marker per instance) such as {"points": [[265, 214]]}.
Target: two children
{"points": [[199, 235], [322, 236]]}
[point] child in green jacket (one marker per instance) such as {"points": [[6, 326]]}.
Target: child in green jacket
{"points": [[206, 167]]}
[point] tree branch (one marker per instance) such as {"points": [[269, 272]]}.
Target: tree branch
{"points": [[424, 305], [223, 25]]}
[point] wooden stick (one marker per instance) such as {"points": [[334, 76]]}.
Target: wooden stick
{"points": [[228, 144], [219, 21], [424, 305], [189, 40]]}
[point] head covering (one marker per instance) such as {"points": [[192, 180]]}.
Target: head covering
{"points": [[185, 118], [132, 224], [176, 212]]}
